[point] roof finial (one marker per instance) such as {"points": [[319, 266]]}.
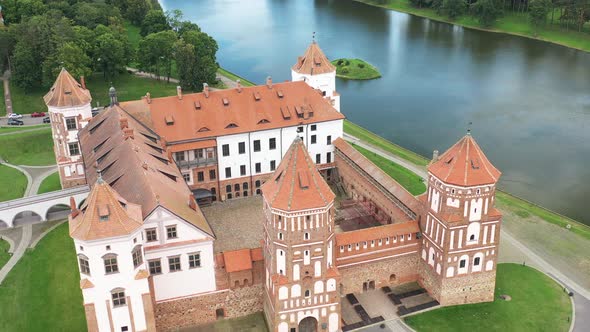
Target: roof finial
{"points": [[99, 180], [313, 37], [469, 128]]}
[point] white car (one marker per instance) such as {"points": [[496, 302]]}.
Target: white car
{"points": [[14, 116]]}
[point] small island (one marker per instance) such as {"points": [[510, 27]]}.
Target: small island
{"points": [[355, 69]]}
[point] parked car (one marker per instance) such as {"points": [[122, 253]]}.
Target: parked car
{"points": [[15, 122], [38, 115], [46, 120], [14, 116]]}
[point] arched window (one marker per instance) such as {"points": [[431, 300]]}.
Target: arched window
{"points": [[307, 293], [473, 231], [245, 185], [280, 236], [306, 236], [228, 188], [237, 187], [110, 263], [257, 183]]}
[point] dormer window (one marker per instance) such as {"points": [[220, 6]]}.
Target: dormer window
{"points": [[231, 125], [225, 101], [103, 213]]}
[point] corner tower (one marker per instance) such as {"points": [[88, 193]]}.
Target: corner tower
{"points": [[301, 275], [68, 104], [319, 73], [461, 227]]}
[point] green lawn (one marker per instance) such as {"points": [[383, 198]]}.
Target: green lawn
{"points": [[235, 77], [13, 183], [34, 148], [408, 179], [355, 69], [4, 256], [10, 129], [50, 183], [511, 23], [42, 292], [538, 304], [383, 144], [27, 102]]}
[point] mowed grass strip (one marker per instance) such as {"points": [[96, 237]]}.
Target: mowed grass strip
{"points": [[34, 148], [355, 69], [235, 77], [13, 183], [49, 184], [383, 144], [408, 179], [538, 304], [4, 256], [8, 129], [42, 292]]}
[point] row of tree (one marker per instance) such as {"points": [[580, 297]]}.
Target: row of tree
{"points": [[86, 36]]}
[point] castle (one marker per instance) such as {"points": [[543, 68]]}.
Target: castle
{"points": [[304, 218]]}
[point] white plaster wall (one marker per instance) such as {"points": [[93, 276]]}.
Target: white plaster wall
{"points": [[325, 82], [333, 322], [281, 261], [476, 209], [434, 201]]}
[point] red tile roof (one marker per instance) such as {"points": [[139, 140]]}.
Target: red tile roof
{"points": [[464, 164], [297, 184], [193, 145], [243, 113], [237, 260], [375, 233], [257, 254], [66, 91], [105, 214], [313, 62]]}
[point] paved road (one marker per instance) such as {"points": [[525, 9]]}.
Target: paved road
{"points": [[27, 119]]}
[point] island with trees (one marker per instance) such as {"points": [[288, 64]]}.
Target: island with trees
{"points": [[355, 69]]}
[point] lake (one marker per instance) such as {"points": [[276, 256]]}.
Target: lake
{"points": [[529, 101]]}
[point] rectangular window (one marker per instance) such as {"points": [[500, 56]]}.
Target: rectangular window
{"points": [[273, 165], [174, 263], [84, 266], [462, 263], [194, 260], [257, 145], [313, 139], [179, 156], [118, 298], [71, 124], [228, 172], [200, 176], [74, 149], [212, 174], [155, 266], [225, 150], [314, 127], [137, 256], [329, 140], [258, 167], [243, 170], [110, 265], [299, 129], [186, 177], [242, 147], [199, 153], [318, 158], [329, 157], [272, 143], [151, 235], [171, 232]]}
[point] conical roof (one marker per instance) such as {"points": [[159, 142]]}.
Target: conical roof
{"points": [[313, 62], [297, 184], [66, 91], [464, 164], [106, 214]]}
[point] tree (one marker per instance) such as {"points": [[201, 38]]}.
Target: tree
{"points": [[186, 61], [156, 51], [68, 56], [205, 49], [109, 55], [154, 21], [538, 11], [453, 8], [486, 11], [174, 18], [8, 42], [26, 66], [136, 10]]}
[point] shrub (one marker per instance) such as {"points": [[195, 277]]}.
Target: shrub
{"points": [[346, 62], [345, 70], [340, 62], [360, 65]]}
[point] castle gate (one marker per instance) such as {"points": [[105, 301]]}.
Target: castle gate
{"points": [[308, 324]]}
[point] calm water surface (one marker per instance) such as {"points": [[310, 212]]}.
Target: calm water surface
{"points": [[529, 101]]}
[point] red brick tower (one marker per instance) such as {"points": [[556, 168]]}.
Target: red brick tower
{"points": [[301, 276], [461, 227]]}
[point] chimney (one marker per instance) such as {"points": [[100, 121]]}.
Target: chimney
{"points": [[179, 92], [144, 165], [123, 122], [148, 97], [206, 90], [82, 82], [269, 82], [73, 207], [128, 133], [434, 156], [163, 142], [239, 87], [191, 202]]}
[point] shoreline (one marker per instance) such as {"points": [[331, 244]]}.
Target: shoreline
{"points": [[455, 23]]}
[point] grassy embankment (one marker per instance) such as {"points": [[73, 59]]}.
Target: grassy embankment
{"points": [[49, 184], [42, 291], [538, 304], [4, 256], [16, 129], [511, 23], [355, 69], [33, 148], [13, 183]]}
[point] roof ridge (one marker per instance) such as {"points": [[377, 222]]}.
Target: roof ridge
{"points": [[311, 173]]}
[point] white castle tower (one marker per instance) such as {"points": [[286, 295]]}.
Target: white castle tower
{"points": [[315, 69], [68, 103]]}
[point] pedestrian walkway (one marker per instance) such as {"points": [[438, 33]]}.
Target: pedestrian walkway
{"points": [[7, 98]]}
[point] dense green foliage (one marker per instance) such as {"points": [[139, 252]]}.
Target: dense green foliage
{"points": [[13, 183], [538, 304], [49, 184], [87, 37], [538, 11], [355, 69], [42, 292]]}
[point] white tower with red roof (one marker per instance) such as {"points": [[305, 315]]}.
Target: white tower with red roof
{"points": [[68, 104], [301, 275], [315, 69], [461, 227]]}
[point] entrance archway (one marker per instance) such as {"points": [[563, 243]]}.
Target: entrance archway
{"points": [[26, 217], [308, 324], [57, 211]]}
